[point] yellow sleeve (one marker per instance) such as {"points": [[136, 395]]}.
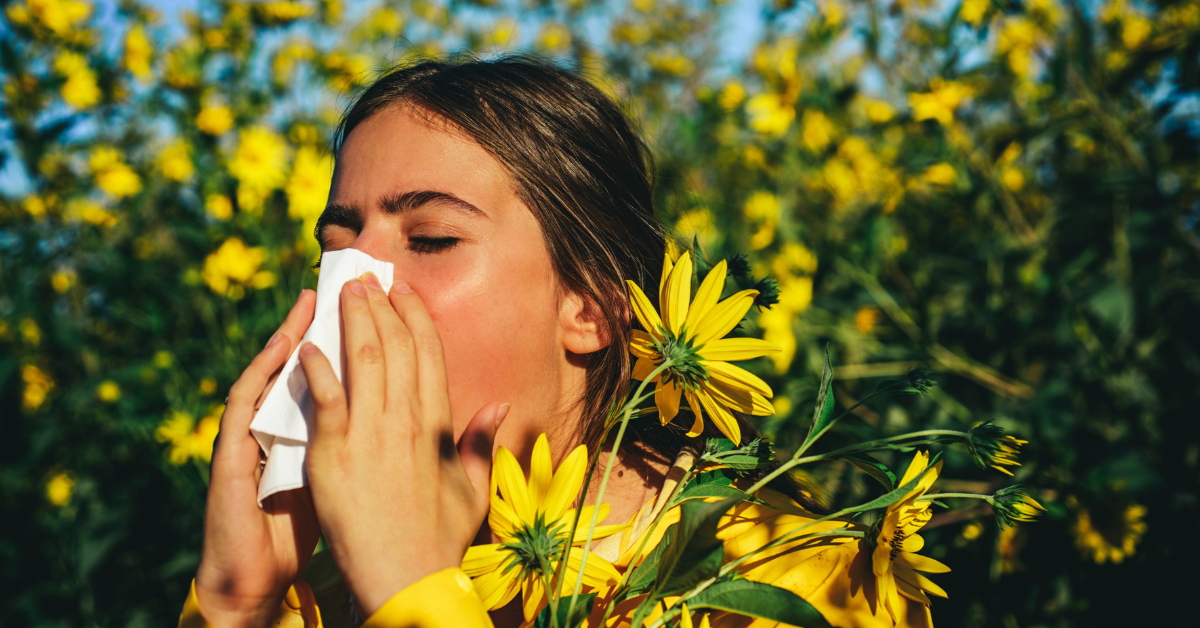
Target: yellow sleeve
{"points": [[299, 609], [442, 599]]}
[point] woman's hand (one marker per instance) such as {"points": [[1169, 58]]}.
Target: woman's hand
{"points": [[251, 555], [397, 500]]}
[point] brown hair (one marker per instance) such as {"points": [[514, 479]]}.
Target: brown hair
{"points": [[578, 164]]}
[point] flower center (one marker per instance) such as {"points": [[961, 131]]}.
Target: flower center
{"points": [[685, 371], [536, 544]]}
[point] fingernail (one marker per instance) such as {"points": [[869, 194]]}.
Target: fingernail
{"points": [[274, 339], [308, 348], [502, 413], [401, 287], [371, 280], [358, 287]]}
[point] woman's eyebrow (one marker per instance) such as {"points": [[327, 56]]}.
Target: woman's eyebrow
{"points": [[338, 214], [402, 202]]}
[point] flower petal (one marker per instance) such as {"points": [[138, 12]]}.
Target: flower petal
{"points": [[917, 465], [598, 573], [564, 488], [642, 369], [512, 483], [911, 592], [698, 421], [744, 401], [533, 596], [502, 518], [666, 397], [481, 559], [541, 470], [727, 349], [707, 296], [644, 311], [642, 345], [673, 301], [495, 589], [922, 563], [736, 377], [724, 316], [721, 417], [923, 583]]}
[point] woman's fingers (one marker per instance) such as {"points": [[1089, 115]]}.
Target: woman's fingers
{"points": [[398, 352], [475, 449], [329, 399], [237, 446], [431, 363], [365, 376]]}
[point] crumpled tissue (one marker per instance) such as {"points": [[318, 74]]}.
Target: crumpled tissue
{"points": [[284, 422]]}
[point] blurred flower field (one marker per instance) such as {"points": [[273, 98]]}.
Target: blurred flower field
{"points": [[1006, 191]]}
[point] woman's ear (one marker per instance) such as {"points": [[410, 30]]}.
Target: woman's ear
{"points": [[584, 328]]}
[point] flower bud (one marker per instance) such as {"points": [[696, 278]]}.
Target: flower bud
{"points": [[991, 448], [1013, 504]]}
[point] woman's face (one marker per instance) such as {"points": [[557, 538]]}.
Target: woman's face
{"points": [[443, 210]]}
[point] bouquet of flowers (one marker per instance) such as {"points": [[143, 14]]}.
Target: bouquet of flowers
{"points": [[679, 564]]}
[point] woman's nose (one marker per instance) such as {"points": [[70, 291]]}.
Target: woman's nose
{"points": [[379, 242]]}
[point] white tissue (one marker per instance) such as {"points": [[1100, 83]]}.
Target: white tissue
{"points": [[285, 419]]}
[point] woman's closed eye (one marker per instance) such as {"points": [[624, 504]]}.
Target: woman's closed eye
{"points": [[425, 244]]}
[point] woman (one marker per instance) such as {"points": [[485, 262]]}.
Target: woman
{"points": [[514, 200]]}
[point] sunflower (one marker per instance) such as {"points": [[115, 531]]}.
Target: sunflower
{"points": [[691, 338], [533, 520], [894, 561], [1107, 532]]}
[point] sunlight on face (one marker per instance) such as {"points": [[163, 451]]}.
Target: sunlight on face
{"points": [[443, 210]]}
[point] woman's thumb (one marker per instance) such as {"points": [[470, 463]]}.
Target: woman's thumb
{"points": [[475, 447]]}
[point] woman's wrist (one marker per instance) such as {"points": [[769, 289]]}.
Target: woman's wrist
{"points": [[222, 610]]}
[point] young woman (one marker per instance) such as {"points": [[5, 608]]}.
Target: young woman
{"points": [[514, 200]]}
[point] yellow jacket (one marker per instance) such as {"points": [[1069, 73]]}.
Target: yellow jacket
{"points": [[831, 573]]}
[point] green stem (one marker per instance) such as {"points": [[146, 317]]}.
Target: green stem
{"points": [[929, 498], [646, 536], [612, 459], [796, 460]]}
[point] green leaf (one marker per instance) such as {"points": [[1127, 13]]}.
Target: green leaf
{"points": [[694, 553], [873, 468], [695, 492], [583, 608], [752, 455], [898, 494], [758, 599], [823, 412]]}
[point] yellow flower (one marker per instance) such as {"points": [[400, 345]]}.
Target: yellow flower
{"points": [[878, 111], [113, 175], [208, 386], [34, 205], [214, 119], [1013, 179], [219, 206], [189, 440], [108, 391], [940, 102], [685, 619], [697, 224], [731, 95], [777, 329], [31, 332], [972, 11], [235, 263], [894, 561], [553, 37], [60, 488], [259, 166], [1107, 532], [62, 280], [60, 16], [941, 174], [866, 318], [533, 519], [80, 90], [281, 12], [138, 52], [163, 359], [37, 386], [817, 130], [770, 114], [91, 213], [175, 161], [308, 188], [1134, 31], [691, 338]]}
